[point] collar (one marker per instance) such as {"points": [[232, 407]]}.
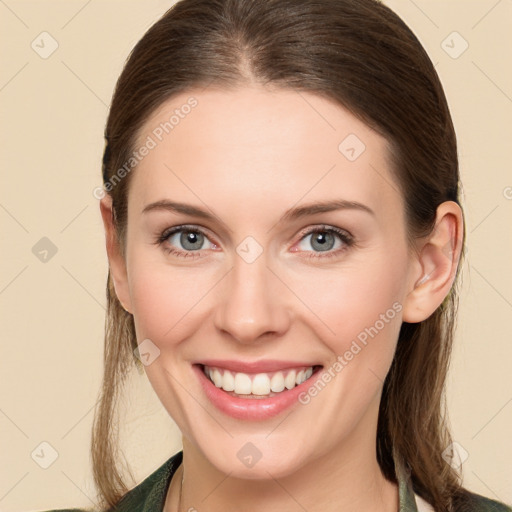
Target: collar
{"points": [[407, 500]]}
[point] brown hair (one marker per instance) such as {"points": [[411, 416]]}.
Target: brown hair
{"points": [[361, 55]]}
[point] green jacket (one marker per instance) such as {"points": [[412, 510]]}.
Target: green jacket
{"points": [[150, 494]]}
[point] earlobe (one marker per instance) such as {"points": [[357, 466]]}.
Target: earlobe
{"points": [[438, 258], [116, 260]]}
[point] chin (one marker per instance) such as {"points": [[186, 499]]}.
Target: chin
{"points": [[256, 458]]}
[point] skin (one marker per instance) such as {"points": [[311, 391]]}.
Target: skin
{"points": [[248, 155]]}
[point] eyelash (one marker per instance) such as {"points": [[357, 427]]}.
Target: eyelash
{"points": [[343, 235]]}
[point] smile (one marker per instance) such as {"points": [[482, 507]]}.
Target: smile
{"points": [[259, 384], [254, 390]]}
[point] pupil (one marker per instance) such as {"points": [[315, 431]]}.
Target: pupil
{"points": [[323, 241], [188, 239]]}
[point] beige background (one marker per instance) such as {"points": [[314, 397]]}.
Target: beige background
{"points": [[53, 112]]}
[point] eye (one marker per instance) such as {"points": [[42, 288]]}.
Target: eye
{"points": [[323, 239], [188, 241], [190, 238]]}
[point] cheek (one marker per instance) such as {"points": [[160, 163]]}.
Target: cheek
{"points": [[349, 300], [341, 302], [161, 300], [167, 299]]}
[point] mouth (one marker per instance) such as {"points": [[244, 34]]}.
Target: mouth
{"points": [[255, 391], [259, 385]]}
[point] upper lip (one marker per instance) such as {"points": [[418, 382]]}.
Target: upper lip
{"points": [[262, 366]]}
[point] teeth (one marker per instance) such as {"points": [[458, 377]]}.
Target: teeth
{"points": [[261, 384], [217, 378], [228, 382], [277, 382], [242, 384], [289, 381], [258, 384]]}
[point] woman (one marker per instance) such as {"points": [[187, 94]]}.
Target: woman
{"points": [[284, 234]]}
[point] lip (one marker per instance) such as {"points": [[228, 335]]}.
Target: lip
{"points": [[252, 409], [262, 366]]}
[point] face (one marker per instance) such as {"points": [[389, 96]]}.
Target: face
{"points": [[261, 282]]}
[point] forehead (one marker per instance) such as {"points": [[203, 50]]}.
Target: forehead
{"points": [[254, 146]]}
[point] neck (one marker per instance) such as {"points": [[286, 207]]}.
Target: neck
{"points": [[346, 478]]}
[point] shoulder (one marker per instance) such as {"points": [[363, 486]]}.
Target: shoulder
{"points": [[148, 496], [467, 502], [68, 510], [481, 503], [473, 502]]}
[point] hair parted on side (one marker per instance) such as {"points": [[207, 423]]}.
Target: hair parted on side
{"points": [[362, 56]]}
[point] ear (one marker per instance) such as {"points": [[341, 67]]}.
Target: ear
{"points": [[116, 260], [438, 257]]}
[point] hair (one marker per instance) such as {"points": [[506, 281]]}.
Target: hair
{"points": [[362, 56]]}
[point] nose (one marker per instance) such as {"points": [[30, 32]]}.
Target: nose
{"points": [[253, 302]]}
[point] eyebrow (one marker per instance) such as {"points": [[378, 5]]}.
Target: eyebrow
{"points": [[291, 214]]}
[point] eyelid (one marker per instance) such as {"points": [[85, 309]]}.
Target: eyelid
{"points": [[187, 227], [164, 236], [323, 227], [345, 236]]}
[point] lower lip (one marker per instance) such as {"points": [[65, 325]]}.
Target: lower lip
{"points": [[251, 409]]}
